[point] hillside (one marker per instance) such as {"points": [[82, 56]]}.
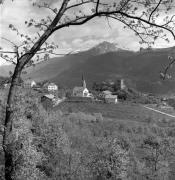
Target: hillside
{"points": [[106, 61], [141, 70], [4, 70]]}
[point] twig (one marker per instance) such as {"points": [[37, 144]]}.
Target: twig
{"points": [[167, 68], [8, 60], [8, 41], [154, 10], [8, 52]]}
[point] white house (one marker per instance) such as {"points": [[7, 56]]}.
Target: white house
{"points": [[52, 87]]}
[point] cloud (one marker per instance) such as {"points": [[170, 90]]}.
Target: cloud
{"points": [[50, 2], [70, 38]]}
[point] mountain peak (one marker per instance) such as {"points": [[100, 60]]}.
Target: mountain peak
{"points": [[104, 47]]}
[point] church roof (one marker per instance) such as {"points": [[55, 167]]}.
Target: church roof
{"points": [[78, 88]]}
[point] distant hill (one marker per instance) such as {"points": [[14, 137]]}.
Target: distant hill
{"points": [[4, 70], [141, 70], [106, 61]]}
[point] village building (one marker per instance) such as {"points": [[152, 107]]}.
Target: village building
{"points": [[121, 85], [52, 87], [50, 100], [47, 101], [109, 98], [6, 85], [48, 96], [82, 91], [104, 93], [107, 92], [29, 83]]}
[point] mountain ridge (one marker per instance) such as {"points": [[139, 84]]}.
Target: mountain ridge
{"points": [[105, 61]]}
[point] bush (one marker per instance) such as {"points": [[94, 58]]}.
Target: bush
{"points": [[52, 145], [111, 161], [98, 117], [80, 116]]}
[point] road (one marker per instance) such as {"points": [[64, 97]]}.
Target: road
{"points": [[155, 110]]}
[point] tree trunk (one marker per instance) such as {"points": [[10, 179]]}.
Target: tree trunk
{"points": [[8, 145]]}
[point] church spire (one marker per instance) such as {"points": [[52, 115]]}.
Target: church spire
{"points": [[83, 82]]}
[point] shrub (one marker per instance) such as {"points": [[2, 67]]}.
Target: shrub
{"points": [[80, 116], [98, 117], [27, 156], [111, 160]]}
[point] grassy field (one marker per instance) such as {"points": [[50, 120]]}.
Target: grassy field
{"points": [[80, 129], [120, 111]]}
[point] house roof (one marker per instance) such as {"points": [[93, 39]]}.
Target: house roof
{"points": [[52, 84], [109, 96], [107, 92], [50, 96]]}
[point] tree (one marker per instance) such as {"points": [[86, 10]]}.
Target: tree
{"points": [[156, 156], [139, 16]]}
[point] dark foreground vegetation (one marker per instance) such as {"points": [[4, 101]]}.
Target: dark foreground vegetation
{"points": [[66, 144]]}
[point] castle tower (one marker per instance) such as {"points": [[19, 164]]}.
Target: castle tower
{"points": [[122, 84]]}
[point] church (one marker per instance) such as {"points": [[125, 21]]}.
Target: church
{"points": [[82, 91]]}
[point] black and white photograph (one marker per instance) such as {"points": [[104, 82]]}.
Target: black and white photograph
{"points": [[87, 89]]}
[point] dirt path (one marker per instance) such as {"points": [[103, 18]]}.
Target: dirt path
{"points": [[155, 110]]}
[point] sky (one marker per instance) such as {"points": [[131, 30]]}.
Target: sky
{"points": [[69, 39]]}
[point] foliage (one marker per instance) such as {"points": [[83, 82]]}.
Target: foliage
{"points": [[56, 145], [112, 159]]}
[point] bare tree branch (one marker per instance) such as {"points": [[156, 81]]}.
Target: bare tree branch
{"points": [[98, 1], [154, 10], [8, 41], [107, 13], [8, 52], [8, 60], [168, 67], [124, 5], [85, 2], [47, 7], [136, 32], [170, 21], [78, 4], [149, 23]]}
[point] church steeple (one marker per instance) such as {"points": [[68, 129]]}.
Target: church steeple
{"points": [[83, 82]]}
